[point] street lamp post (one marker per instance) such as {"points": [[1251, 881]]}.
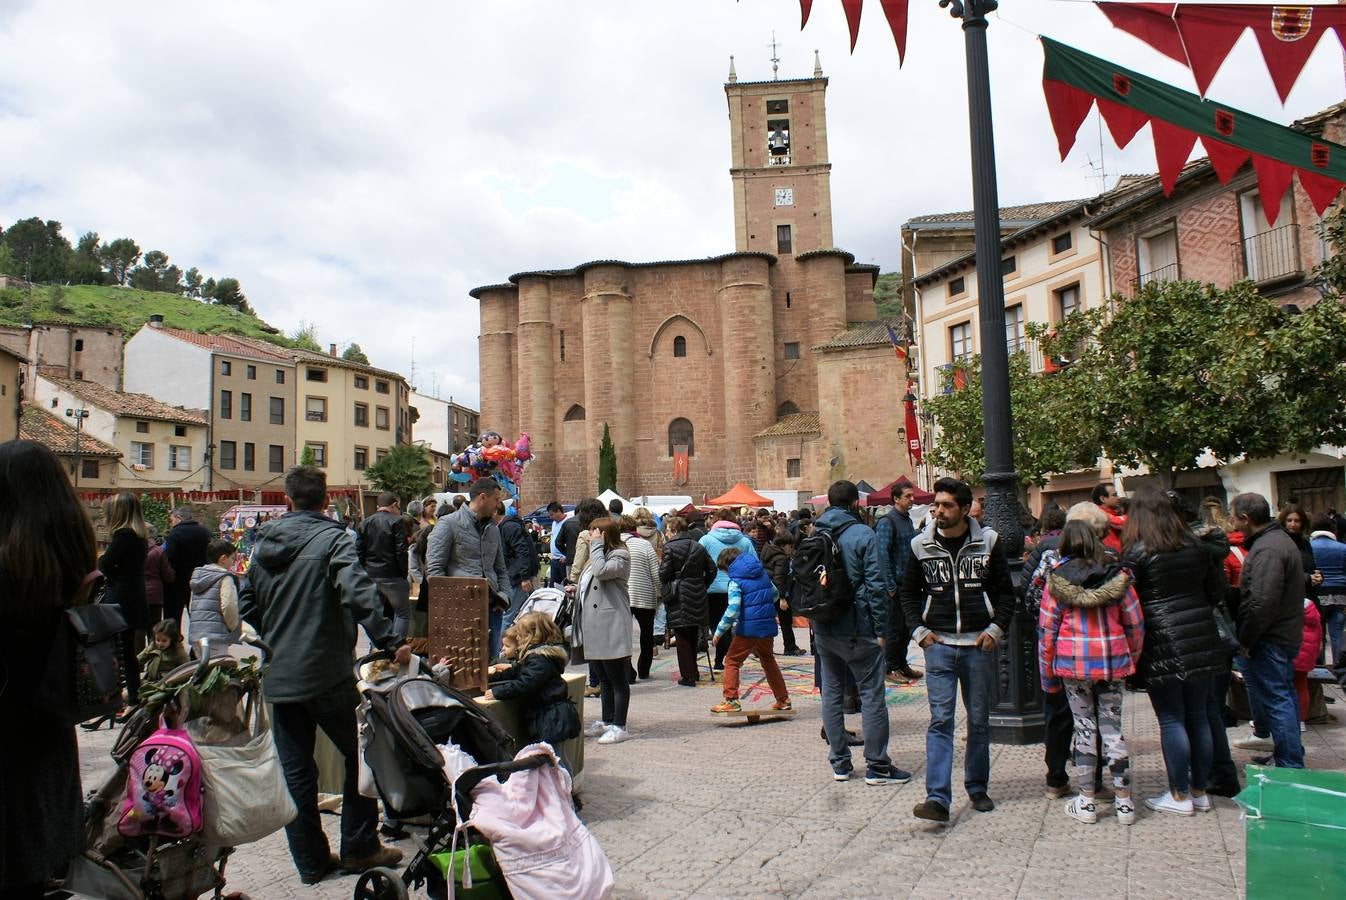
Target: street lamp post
{"points": [[79, 415], [1016, 717]]}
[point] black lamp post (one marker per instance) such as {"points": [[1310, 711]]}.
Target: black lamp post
{"points": [[1016, 717]]}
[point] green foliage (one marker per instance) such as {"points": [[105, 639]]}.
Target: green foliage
{"points": [[228, 293], [7, 264], [306, 457], [1332, 270], [85, 265], [353, 353], [888, 295], [305, 337], [607, 463], [155, 510], [118, 257], [39, 251], [155, 274], [405, 471], [192, 282]]}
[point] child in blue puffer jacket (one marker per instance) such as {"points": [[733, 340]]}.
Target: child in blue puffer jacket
{"points": [[751, 614]]}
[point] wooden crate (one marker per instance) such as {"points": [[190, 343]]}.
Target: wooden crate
{"points": [[460, 629]]}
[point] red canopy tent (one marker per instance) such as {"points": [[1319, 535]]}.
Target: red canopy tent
{"points": [[884, 495], [740, 495]]}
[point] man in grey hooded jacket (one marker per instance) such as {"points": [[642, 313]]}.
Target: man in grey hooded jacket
{"points": [[467, 544]]}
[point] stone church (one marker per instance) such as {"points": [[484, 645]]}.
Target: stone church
{"points": [[765, 365]]}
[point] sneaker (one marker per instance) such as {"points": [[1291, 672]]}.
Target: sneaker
{"points": [[1056, 791], [1202, 803], [841, 773], [314, 877], [1126, 813], [889, 774], [782, 705], [728, 706], [1082, 809], [592, 690], [898, 679], [1302, 728], [385, 857], [1253, 742], [596, 728], [1165, 802], [931, 810], [615, 735], [982, 802]]}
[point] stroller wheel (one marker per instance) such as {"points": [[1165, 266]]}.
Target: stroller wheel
{"points": [[380, 884]]}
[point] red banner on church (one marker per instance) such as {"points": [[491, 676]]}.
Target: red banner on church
{"points": [[680, 465]]}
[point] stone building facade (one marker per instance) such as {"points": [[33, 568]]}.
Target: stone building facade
{"points": [[725, 356]]}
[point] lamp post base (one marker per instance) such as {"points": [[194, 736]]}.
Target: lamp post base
{"points": [[1017, 715]]}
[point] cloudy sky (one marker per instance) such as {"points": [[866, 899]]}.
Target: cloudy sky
{"points": [[363, 165]]}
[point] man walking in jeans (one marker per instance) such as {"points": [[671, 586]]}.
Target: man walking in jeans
{"points": [[383, 553], [304, 587], [1270, 624], [855, 642], [893, 533], [958, 596]]}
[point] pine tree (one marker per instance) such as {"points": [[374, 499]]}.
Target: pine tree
{"points": [[607, 463]]}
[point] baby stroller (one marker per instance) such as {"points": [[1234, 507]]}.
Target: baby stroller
{"points": [[548, 600], [404, 720], [117, 867]]}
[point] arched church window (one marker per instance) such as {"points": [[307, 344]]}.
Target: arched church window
{"points": [[787, 408], [680, 434], [680, 346], [575, 413]]}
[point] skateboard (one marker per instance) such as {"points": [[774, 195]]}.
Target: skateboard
{"points": [[756, 715]]}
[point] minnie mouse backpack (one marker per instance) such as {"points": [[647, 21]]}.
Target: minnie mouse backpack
{"points": [[164, 793]]}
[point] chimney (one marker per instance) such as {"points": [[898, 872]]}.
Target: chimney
{"points": [[331, 350], [156, 321]]}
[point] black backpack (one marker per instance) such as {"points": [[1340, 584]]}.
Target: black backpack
{"points": [[822, 590]]}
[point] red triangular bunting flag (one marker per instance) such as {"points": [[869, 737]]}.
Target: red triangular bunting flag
{"points": [[1208, 40], [1067, 107], [1123, 121], [852, 8], [1321, 190], [1225, 159], [1172, 146], [1287, 37], [896, 12], [805, 7], [1151, 22], [1273, 180]]}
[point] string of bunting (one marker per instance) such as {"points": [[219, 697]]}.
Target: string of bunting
{"points": [[1073, 82], [895, 11]]}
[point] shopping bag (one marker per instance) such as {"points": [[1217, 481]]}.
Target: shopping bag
{"points": [[246, 795]]}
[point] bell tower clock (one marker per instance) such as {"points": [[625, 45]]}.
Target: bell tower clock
{"points": [[780, 169]]}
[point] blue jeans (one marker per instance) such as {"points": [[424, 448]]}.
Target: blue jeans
{"points": [[948, 669], [517, 596], [1184, 731], [863, 658], [1268, 674], [396, 592], [496, 621], [1334, 617]]}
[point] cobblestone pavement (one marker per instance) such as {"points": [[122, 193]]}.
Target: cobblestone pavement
{"points": [[693, 807]]}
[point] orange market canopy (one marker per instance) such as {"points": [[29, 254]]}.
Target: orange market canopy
{"points": [[740, 495]]}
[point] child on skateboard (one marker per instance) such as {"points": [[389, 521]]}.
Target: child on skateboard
{"points": [[752, 616]]}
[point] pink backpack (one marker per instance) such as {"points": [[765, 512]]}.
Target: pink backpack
{"points": [[163, 787]]}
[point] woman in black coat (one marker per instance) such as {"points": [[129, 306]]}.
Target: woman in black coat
{"points": [[123, 563], [46, 566], [1178, 583], [775, 557], [686, 572], [1296, 524]]}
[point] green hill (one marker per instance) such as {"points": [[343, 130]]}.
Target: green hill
{"points": [[125, 308]]}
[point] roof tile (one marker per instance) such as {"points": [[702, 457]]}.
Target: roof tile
{"points": [[866, 334], [58, 437], [1027, 212], [797, 423], [233, 344], [138, 406]]}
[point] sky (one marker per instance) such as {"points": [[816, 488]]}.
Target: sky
{"points": [[362, 166]]}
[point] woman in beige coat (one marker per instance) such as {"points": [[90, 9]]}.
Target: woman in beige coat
{"points": [[603, 626]]}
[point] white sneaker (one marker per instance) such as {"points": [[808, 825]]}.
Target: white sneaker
{"points": [[1202, 803], [1126, 813], [1082, 809], [1302, 728], [596, 728], [1253, 742], [1165, 802], [615, 735]]}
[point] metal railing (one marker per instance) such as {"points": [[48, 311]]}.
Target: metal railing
{"points": [[1161, 275], [1271, 255], [315, 416]]}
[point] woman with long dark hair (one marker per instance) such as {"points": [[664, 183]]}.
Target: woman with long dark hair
{"points": [[603, 626], [1179, 584], [1296, 524], [123, 562], [46, 560]]}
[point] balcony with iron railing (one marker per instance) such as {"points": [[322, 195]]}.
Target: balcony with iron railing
{"points": [[1161, 275], [1270, 256]]}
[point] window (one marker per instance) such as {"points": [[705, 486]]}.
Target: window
{"points": [[680, 346], [249, 457], [315, 409], [179, 458], [381, 418], [777, 107], [280, 376], [179, 431], [142, 454], [226, 367], [277, 410], [315, 374], [574, 414], [361, 458], [778, 141], [275, 455], [783, 241], [319, 452], [1061, 243], [228, 455], [1268, 251], [679, 435], [563, 345], [957, 286], [792, 468], [226, 404], [1014, 328], [380, 454], [788, 408], [362, 415], [245, 407], [1009, 265], [960, 341], [1157, 256], [787, 299], [88, 468], [362, 382], [79, 345], [251, 373], [79, 375], [142, 428], [792, 350], [1067, 301], [381, 387]]}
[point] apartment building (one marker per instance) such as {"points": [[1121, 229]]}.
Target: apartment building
{"points": [[246, 388], [12, 379], [445, 426], [161, 446], [351, 415], [92, 464], [82, 352]]}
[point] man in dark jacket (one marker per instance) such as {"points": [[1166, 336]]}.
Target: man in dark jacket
{"points": [[185, 546], [686, 573], [304, 593], [893, 534], [383, 553], [958, 596], [466, 544], [520, 561], [1271, 624]]}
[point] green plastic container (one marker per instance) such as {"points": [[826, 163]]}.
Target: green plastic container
{"points": [[1295, 822], [487, 882]]}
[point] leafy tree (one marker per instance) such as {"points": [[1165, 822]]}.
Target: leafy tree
{"points": [[228, 293], [7, 265], [155, 274], [192, 282], [607, 463], [40, 252], [305, 337], [118, 257], [306, 457], [888, 295], [353, 353], [85, 265], [405, 471]]}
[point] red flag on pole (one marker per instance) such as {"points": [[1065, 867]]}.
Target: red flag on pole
{"points": [[913, 428], [898, 347]]}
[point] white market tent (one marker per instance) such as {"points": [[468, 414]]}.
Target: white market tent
{"points": [[608, 496], [661, 504]]}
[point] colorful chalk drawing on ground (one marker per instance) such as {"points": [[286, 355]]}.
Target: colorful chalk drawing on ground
{"points": [[798, 672]]}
